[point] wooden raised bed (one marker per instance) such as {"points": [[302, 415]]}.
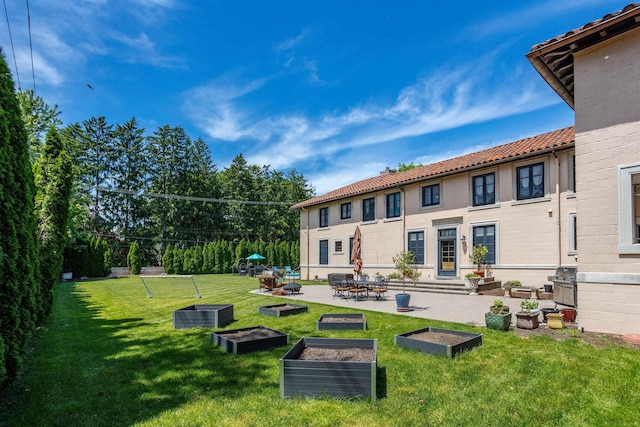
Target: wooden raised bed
{"points": [[345, 367], [203, 315], [245, 340], [280, 310], [341, 322], [439, 341]]}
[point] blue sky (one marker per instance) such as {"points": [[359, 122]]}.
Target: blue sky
{"points": [[337, 90]]}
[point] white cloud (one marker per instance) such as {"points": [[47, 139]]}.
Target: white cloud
{"points": [[442, 101]]}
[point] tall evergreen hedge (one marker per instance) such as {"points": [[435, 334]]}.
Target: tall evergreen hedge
{"points": [[19, 272]]}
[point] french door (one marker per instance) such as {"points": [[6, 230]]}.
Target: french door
{"points": [[447, 252]]}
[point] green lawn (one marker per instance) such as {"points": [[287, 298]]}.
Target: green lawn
{"points": [[110, 357]]}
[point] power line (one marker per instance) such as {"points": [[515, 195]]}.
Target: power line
{"points": [[13, 51], [33, 73], [180, 197]]}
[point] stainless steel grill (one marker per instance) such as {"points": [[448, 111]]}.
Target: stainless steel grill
{"points": [[565, 290]]}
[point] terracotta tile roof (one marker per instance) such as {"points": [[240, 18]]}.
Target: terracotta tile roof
{"points": [[547, 142], [553, 59]]}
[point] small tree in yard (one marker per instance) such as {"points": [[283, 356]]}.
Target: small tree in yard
{"points": [[134, 258]]}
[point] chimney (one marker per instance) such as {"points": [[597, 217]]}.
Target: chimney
{"points": [[387, 171]]}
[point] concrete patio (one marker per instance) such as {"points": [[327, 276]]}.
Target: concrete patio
{"points": [[467, 309]]}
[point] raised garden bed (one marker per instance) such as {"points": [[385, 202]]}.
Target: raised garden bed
{"points": [[203, 315], [439, 341], [338, 367], [341, 322], [280, 310], [245, 340]]}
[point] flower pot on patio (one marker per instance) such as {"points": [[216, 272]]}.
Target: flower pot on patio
{"points": [[402, 302]]}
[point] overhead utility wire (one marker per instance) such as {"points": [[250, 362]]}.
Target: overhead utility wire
{"points": [[15, 63], [179, 197], [33, 73]]}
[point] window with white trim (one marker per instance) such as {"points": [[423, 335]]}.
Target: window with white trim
{"points": [[337, 246], [486, 235], [629, 209], [573, 233]]}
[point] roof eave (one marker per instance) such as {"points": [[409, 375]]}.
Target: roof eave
{"points": [[564, 146]]}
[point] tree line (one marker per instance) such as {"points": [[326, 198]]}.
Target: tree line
{"points": [[163, 188]]}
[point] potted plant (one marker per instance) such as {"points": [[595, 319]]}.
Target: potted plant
{"points": [[498, 317], [528, 318], [405, 269], [478, 254], [471, 282]]}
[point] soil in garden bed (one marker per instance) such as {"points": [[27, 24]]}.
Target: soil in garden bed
{"points": [[249, 335], [342, 320], [439, 337], [285, 307], [338, 354]]}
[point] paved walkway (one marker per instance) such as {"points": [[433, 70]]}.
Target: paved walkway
{"points": [[465, 309]]}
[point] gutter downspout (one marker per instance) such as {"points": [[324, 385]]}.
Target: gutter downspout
{"points": [[404, 216], [558, 221], [307, 261]]}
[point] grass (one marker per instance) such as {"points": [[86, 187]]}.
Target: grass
{"points": [[110, 357]]}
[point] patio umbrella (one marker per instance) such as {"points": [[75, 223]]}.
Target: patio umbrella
{"points": [[255, 257], [356, 251]]}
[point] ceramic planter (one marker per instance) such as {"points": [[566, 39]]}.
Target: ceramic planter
{"points": [[402, 302], [245, 340], [499, 322], [555, 320], [569, 314], [203, 315], [337, 378], [465, 341], [527, 320], [341, 322]]}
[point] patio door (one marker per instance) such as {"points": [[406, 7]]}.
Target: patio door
{"points": [[447, 252]]}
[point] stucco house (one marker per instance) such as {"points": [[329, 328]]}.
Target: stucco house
{"points": [[565, 198]]}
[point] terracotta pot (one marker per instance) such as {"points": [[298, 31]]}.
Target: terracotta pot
{"points": [[479, 273]]}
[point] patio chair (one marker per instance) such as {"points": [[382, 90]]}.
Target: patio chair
{"points": [[357, 291], [380, 287], [342, 288]]}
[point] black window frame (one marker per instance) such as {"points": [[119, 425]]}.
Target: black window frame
{"points": [[345, 210], [485, 198], [323, 250], [536, 191], [491, 245], [369, 213], [429, 194], [416, 248], [394, 205], [323, 217]]}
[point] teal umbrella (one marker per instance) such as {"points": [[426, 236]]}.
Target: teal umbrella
{"points": [[255, 257]]}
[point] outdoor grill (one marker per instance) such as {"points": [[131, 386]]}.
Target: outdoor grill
{"points": [[565, 291]]}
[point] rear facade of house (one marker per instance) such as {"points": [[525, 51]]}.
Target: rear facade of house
{"points": [[566, 198]]}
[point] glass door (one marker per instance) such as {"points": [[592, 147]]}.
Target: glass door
{"points": [[447, 252]]}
